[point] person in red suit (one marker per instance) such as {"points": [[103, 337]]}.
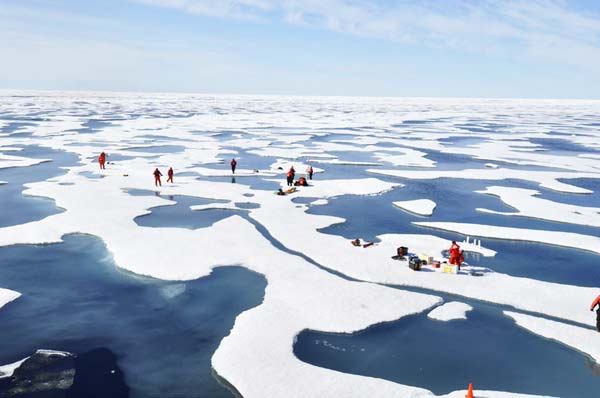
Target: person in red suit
{"points": [[157, 175], [592, 307], [233, 163], [454, 253], [102, 160], [170, 175]]}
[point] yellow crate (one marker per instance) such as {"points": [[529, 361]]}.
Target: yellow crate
{"points": [[449, 269], [426, 258]]}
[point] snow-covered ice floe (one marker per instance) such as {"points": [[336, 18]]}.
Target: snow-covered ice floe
{"points": [[450, 311], [422, 207], [546, 179], [7, 161], [528, 204], [6, 296], [558, 238], [8, 369], [581, 339]]}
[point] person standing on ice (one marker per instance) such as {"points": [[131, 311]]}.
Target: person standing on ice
{"points": [[454, 253], [290, 178], [310, 172], [157, 175], [594, 304], [170, 175], [102, 160], [233, 163], [461, 258]]}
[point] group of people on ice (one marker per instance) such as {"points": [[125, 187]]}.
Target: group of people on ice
{"points": [[456, 254], [291, 175], [157, 174]]}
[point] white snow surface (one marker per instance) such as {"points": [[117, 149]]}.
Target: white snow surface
{"points": [[450, 311], [8, 369], [422, 207], [6, 296]]}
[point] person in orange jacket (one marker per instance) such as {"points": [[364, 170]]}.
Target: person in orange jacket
{"points": [[461, 258], [310, 172], [170, 175], [157, 175], [102, 160], [290, 178], [454, 253], [233, 163], [594, 304]]}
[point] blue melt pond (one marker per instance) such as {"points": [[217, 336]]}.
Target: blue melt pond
{"points": [[25, 209], [163, 333], [181, 216], [487, 349]]}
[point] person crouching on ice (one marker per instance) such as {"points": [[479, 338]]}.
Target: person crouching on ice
{"points": [[594, 304], [157, 175], [170, 175]]}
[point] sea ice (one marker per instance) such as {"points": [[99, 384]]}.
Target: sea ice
{"points": [[529, 205], [422, 207], [581, 339], [450, 311], [6, 296]]}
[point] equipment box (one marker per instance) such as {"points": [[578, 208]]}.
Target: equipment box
{"points": [[425, 259], [449, 269], [414, 263]]}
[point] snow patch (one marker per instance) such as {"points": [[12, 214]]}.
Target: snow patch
{"points": [[6, 296], [450, 311], [9, 369], [422, 207]]}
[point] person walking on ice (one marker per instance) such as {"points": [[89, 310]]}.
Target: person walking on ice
{"points": [[157, 175], [170, 175], [233, 163], [594, 304]]}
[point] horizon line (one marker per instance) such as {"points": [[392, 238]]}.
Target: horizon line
{"points": [[231, 94]]}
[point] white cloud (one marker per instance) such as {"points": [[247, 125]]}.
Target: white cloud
{"points": [[541, 29]]}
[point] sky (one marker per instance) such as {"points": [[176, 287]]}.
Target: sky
{"points": [[403, 48]]}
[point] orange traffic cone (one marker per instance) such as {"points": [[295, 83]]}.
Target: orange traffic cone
{"points": [[470, 392]]}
